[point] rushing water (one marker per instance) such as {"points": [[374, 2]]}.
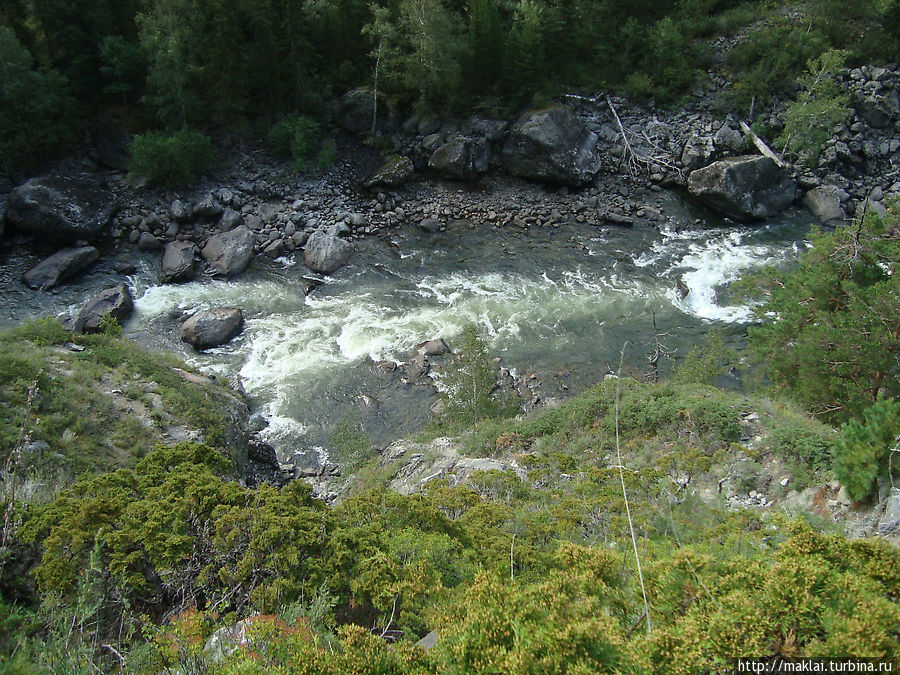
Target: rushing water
{"points": [[559, 302], [556, 302]]}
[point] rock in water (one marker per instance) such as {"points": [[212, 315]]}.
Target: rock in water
{"points": [[825, 204], [177, 262], [325, 253], [60, 266], [552, 145], [213, 327], [229, 254], [750, 187], [462, 158], [115, 302], [61, 208]]}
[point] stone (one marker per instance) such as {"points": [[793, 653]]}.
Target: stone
{"points": [[462, 158], [212, 327], [434, 347], [59, 267], [325, 253], [552, 145], [357, 105], [115, 302], [875, 110], [229, 254], [177, 262], [208, 208], [749, 187], [825, 204], [889, 523], [432, 142], [728, 138], [395, 171], [492, 130], [180, 212], [61, 209], [698, 152], [148, 242], [430, 225]]}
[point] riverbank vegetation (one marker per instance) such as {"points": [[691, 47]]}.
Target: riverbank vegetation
{"points": [[171, 64]]}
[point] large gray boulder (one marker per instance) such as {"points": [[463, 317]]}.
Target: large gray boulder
{"points": [[61, 208], [552, 145], [212, 327], [355, 114], [825, 204], [750, 187], [462, 158], [698, 152], [115, 302], [229, 254], [325, 253], [177, 262], [395, 171], [59, 267]]}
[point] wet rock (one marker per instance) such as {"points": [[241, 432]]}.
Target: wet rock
{"points": [[430, 225], [434, 347], [177, 262], [749, 187], [59, 267], [229, 254], [462, 158], [213, 327], [147, 242], [825, 204], [115, 302], [61, 208], [395, 171], [325, 253], [552, 145]]}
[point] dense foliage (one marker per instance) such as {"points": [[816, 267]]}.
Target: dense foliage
{"points": [[244, 65]]}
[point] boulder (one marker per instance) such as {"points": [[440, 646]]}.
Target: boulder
{"points": [[115, 302], [698, 152], [434, 347], [61, 208], [492, 130], [177, 262], [430, 224], [825, 204], [462, 158], [395, 171], [213, 327], [60, 266], [878, 111], [728, 138], [208, 208], [180, 212], [325, 253], [552, 145], [355, 114], [229, 253], [889, 522], [148, 242], [750, 187], [230, 219]]}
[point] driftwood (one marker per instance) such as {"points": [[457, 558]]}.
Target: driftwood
{"points": [[761, 146], [640, 159]]}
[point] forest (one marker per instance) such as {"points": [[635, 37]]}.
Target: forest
{"points": [[242, 67]]}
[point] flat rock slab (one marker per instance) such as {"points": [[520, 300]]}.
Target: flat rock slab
{"points": [[115, 302], [61, 208], [213, 327], [59, 267]]}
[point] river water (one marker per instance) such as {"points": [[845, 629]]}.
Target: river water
{"points": [[558, 303]]}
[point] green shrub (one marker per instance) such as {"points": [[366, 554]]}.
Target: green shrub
{"points": [[170, 159], [863, 448], [300, 138]]}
